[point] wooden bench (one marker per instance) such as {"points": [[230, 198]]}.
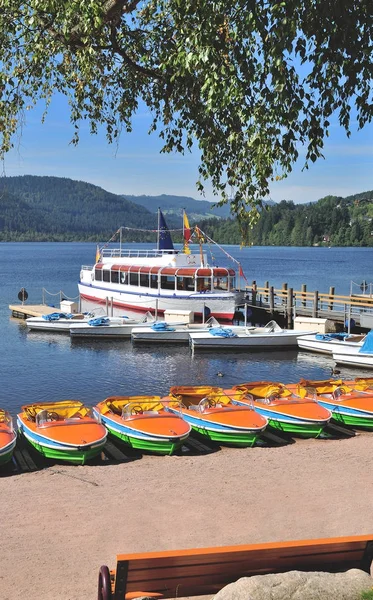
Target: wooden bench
{"points": [[202, 571]]}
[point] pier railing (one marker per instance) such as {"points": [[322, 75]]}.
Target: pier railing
{"points": [[292, 303]]}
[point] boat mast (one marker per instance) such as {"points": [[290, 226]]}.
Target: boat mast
{"points": [[159, 224]]}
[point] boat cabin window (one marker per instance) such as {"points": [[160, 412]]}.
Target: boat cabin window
{"points": [[98, 275], [232, 282], [221, 283], [105, 275], [134, 279], [203, 284], [123, 278], [154, 281], [185, 283], [114, 277], [144, 279], [167, 282]]}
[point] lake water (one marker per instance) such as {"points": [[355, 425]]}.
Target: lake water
{"points": [[45, 366]]}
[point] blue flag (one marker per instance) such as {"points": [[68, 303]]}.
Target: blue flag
{"points": [[165, 241]]}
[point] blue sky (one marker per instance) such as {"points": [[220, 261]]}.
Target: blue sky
{"points": [[136, 166]]}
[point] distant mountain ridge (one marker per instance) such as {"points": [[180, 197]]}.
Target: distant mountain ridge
{"points": [[174, 205]]}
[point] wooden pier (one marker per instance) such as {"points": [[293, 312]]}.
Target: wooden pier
{"points": [[23, 311], [289, 303]]}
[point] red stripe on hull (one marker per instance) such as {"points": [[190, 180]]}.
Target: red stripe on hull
{"points": [[144, 309]]}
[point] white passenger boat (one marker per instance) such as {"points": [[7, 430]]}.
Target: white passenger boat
{"points": [[246, 338], [161, 279], [162, 332], [357, 357], [327, 343]]}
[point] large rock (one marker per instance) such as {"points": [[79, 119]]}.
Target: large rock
{"points": [[299, 585]]}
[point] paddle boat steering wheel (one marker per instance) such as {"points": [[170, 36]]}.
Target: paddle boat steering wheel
{"points": [[206, 403], [136, 410], [52, 416]]}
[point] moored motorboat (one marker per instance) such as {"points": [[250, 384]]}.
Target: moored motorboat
{"points": [[350, 402], [65, 430], [62, 321], [246, 338], [327, 343], [162, 332], [109, 327], [357, 357], [8, 437], [144, 423], [214, 415], [284, 410]]}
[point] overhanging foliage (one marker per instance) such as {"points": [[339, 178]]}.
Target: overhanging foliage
{"points": [[248, 81]]}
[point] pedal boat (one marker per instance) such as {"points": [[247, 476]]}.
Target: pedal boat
{"points": [[350, 402], [8, 437], [214, 415], [144, 423], [65, 430], [285, 411]]}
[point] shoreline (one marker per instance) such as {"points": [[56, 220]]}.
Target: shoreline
{"points": [[62, 523]]}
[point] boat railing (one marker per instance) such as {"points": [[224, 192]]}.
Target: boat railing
{"points": [[129, 253]]}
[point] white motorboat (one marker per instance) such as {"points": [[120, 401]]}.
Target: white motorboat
{"points": [[111, 329], [327, 343], [162, 279], [62, 322], [162, 332], [357, 357], [247, 338]]}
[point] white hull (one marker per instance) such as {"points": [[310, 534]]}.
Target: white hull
{"points": [[176, 334], [65, 325], [250, 339], [311, 343], [220, 306], [353, 358]]}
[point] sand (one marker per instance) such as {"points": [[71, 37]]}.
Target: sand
{"points": [[60, 524]]}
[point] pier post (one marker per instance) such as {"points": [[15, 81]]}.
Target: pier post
{"points": [[331, 297], [112, 306], [284, 291], [304, 291], [266, 297], [289, 308], [107, 306], [272, 301], [315, 304], [254, 290]]}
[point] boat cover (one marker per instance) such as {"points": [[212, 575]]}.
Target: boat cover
{"points": [[367, 347], [57, 315], [220, 332], [162, 326], [265, 390], [327, 386], [116, 404], [328, 337], [65, 409], [99, 321]]}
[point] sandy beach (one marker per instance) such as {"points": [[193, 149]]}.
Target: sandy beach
{"points": [[60, 524]]}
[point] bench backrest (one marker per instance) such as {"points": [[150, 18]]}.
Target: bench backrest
{"points": [[193, 572]]}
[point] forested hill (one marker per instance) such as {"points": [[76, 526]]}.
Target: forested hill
{"points": [[53, 208], [331, 221]]}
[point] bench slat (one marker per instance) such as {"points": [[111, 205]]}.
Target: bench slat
{"points": [[203, 571]]}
